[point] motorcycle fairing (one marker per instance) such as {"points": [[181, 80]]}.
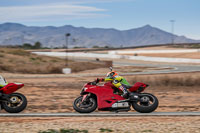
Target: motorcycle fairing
{"points": [[11, 87], [105, 96]]}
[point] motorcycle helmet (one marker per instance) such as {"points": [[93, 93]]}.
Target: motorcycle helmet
{"points": [[111, 74]]}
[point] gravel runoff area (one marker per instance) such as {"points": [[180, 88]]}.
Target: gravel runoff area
{"points": [[94, 124]]}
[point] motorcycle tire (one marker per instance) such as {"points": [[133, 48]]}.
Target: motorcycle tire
{"points": [[11, 109], [146, 109], [85, 110]]}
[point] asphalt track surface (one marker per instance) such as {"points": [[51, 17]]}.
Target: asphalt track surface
{"points": [[166, 68], [101, 114]]}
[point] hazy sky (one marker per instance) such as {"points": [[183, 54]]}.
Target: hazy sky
{"points": [[119, 14]]}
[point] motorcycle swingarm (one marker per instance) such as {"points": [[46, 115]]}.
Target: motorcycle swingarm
{"points": [[121, 101], [129, 100]]}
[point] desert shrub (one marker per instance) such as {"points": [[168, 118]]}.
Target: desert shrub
{"points": [[27, 46], [105, 130], [21, 61], [54, 69], [53, 60], [1, 51], [147, 131], [64, 131], [49, 131], [11, 60], [32, 58], [168, 80], [18, 52], [4, 67], [1, 55], [37, 45], [95, 47], [80, 66]]}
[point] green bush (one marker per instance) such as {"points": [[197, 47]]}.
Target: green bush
{"points": [[105, 130], [37, 45], [18, 52], [49, 131], [1, 55], [147, 131], [95, 47], [64, 131]]}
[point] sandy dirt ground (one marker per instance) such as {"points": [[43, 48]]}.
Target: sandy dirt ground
{"points": [[94, 124]]}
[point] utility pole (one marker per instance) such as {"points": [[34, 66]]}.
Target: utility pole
{"points": [[66, 47], [172, 30]]}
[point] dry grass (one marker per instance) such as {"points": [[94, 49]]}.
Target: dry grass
{"points": [[21, 61], [182, 79]]}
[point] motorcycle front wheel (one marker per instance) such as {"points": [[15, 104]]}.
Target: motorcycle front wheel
{"points": [[147, 103], [18, 103], [87, 106]]}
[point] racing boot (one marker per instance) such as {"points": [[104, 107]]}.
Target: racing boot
{"points": [[134, 97], [125, 92]]}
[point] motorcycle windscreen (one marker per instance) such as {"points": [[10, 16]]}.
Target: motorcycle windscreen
{"points": [[2, 81]]}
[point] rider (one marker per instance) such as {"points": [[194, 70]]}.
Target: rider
{"points": [[2, 83], [118, 81]]}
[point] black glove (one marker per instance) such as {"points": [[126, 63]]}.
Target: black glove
{"points": [[94, 82], [97, 80]]}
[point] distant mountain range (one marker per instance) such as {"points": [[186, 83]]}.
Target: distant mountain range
{"points": [[50, 36]]}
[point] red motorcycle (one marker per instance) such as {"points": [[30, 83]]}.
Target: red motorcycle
{"points": [[12, 102], [107, 98]]}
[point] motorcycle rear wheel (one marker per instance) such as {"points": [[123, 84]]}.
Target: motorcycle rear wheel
{"points": [[148, 103], [18, 104], [85, 107]]}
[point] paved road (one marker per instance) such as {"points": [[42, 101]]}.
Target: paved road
{"points": [[97, 114], [172, 68], [117, 56]]}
